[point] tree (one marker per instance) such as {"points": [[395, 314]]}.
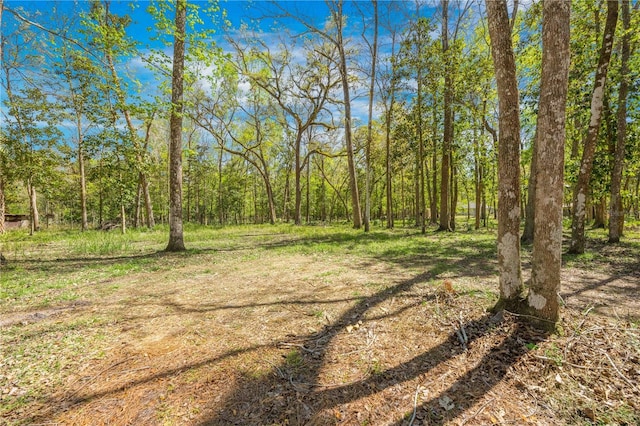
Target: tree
{"points": [[586, 165], [176, 238], [616, 217], [508, 155], [374, 56], [336, 8], [542, 300], [445, 219]]}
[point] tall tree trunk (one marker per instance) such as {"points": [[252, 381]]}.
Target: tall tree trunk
{"points": [[616, 216], [84, 225], [511, 286], [374, 55], [387, 160], [421, 199], [126, 113], [586, 165], [448, 122], [530, 213], [434, 164], [542, 300], [298, 177], [176, 238], [344, 75]]}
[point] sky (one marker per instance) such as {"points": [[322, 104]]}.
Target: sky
{"points": [[258, 15]]}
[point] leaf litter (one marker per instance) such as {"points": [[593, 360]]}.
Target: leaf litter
{"points": [[291, 338]]}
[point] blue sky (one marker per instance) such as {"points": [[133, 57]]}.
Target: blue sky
{"points": [[251, 13]]}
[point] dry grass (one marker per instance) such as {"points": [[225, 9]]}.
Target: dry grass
{"points": [[264, 328]]}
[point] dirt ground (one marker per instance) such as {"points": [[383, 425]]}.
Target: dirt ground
{"points": [[243, 337]]}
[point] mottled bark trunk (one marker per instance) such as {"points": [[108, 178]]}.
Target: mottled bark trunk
{"points": [[530, 211], [589, 149], [508, 155], [176, 238], [448, 123], [542, 299], [616, 216]]}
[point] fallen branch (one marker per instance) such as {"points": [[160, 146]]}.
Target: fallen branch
{"points": [[629, 382], [478, 411], [415, 406]]}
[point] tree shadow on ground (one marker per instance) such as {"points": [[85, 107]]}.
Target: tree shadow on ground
{"points": [[293, 393]]}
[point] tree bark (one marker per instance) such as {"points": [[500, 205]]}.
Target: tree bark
{"points": [[530, 211], [176, 238], [374, 55], [542, 299], [387, 160], [509, 266], [434, 163], [586, 165], [448, 123], [353, 179], [616, 216]]}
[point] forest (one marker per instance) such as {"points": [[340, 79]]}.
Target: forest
{"points": [[341, 184], [264, 134]]}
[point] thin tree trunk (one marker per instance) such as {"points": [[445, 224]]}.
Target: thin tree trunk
{"points": [[616, 216], [529, 219], [387, 160], [123, 219], [84, 225], [353, 181], [374, 54], [448, 122], [588, 154], [298, 183], [176, 238], [542, 299], [511, 285], [434, 164], [454, 195], [137, 215]]}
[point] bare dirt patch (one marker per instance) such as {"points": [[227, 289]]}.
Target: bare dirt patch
{"points": [[256, 337]]}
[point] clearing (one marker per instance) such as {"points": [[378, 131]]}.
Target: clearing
{"points": [[278, 325]]}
